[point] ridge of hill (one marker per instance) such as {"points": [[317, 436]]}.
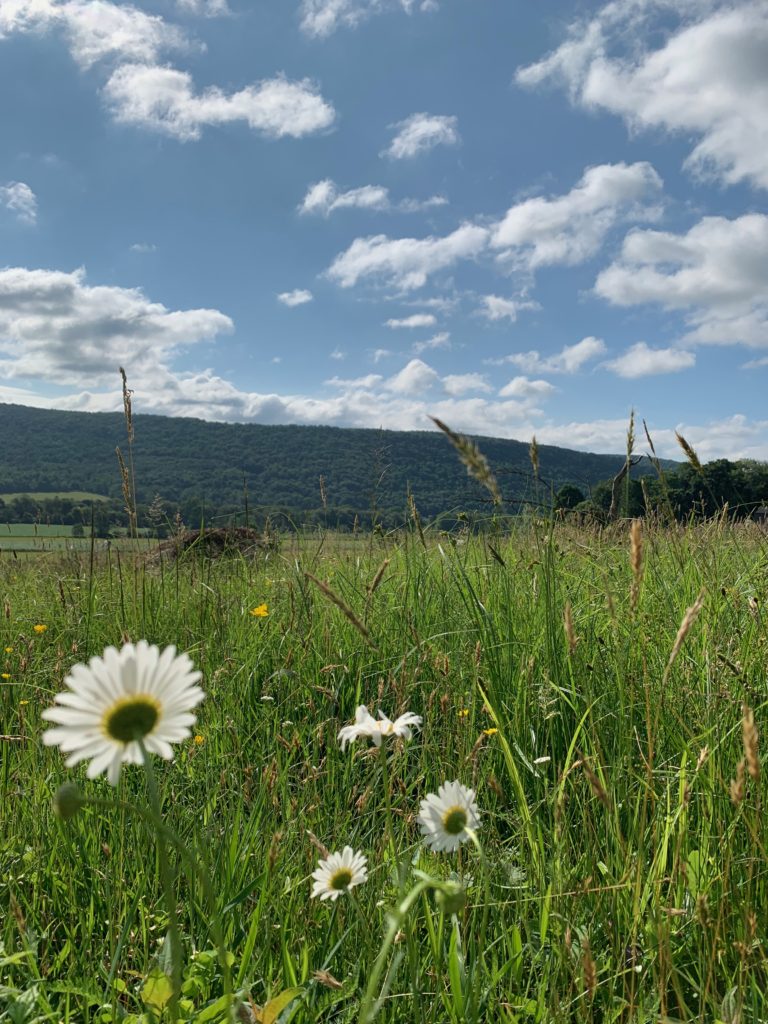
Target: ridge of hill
{"points": [[47, 450]]}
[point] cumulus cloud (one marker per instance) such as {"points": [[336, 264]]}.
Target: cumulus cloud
{"points": [[419, 133], [164, 99], [570, 359], [493, 307], [414, 378], [415, 320], [324, 198], [641, 361], [19, 198], [523, 387], [298, 297], [707, 76], [94, 29], [320, 18], [715, 273], [460, 383], [440, 340], [571, 228], [204, 8], [406, 263], [55, 327]]}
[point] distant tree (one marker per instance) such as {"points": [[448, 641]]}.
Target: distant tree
{"points": [[568, 497]]}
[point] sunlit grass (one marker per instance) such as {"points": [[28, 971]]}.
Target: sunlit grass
{"points": [[619, 880]]}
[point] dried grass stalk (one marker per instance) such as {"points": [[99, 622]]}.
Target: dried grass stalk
{"points": [[686, 625], [472, 458]]}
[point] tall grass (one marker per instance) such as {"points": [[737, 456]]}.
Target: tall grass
{"points": [[624, 876]]}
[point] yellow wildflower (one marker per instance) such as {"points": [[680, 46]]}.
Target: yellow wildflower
{"points": [[260, 611], [490, 732], [40, 628], [22, 703], [199, 740], [9, 650], [5, 675], [464, 713]]}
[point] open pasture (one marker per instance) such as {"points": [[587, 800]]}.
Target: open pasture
{"points": [[604, 695]]}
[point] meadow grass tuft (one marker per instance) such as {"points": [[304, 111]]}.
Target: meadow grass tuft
{"points": [[604, 712]]}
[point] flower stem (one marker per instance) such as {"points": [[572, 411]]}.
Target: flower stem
{"points": [[388, 802], [167, 883]]}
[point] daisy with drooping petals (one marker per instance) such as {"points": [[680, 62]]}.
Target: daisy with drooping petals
{"points": [[376, 729], [339, 872], [136, 693], [445, 818]]}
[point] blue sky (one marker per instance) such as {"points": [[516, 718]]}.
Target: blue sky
{"points": [[521, 218]]}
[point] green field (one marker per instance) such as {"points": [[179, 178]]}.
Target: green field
{"points": [[621, 871], [45, 495]]}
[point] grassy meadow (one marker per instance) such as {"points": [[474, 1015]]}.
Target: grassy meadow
{"points": [[620, 871]]}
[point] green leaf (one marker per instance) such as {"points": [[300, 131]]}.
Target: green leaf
{"points": [[272, 1010], [157, 990]]}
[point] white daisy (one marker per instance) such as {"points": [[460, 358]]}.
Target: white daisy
{"points": [[445, 818], [115, 700], [375, 730], [338, 872]]}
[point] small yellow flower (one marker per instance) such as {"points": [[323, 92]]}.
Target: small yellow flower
{"points": [[40, 628], [199, 740], [9, 650], [260, 611], [464, 713], [490, 732], [5, 675], [23, 703]]}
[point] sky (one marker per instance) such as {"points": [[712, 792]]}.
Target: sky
{"points": [[524, 219]]}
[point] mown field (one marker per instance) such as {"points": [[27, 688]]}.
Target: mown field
{"points": [[620, 866]]}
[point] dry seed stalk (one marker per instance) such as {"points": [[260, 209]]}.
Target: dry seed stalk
{"points": [[636, 561], [373, 587], [597, 787], [473, 459], [737, 784], [690, 454], [749, 737], [689, 618], [589, 970], [342, 606], [533, 454]]}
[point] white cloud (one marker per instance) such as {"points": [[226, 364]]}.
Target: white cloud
{"points": [[571, 228], [19, 198], [324, 198], [716, 273], [419, 133], [413, 379], [570, 359], [164, 99], [708, 77], [523, 387], [298, 297], [57, 328], [496, 308], [381, 353], [440, 340], [406, 263], [371, 380], [415, 320], [460, 383], [338, 355], [143, 247], [641, 361], [94, 29], [204, 8], [320, 18]]}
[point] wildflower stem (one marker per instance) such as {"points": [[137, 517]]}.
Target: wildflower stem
{"points": [[388, 801], [166, 881]]}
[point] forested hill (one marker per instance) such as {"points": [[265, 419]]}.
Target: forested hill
{"points": [[189, 460]]}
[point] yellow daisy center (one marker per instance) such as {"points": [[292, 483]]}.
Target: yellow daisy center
{"points": [[131, 718], [455, 820], [340, 879]]}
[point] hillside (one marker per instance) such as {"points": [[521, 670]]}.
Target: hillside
{"points": [[187, 459]]}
